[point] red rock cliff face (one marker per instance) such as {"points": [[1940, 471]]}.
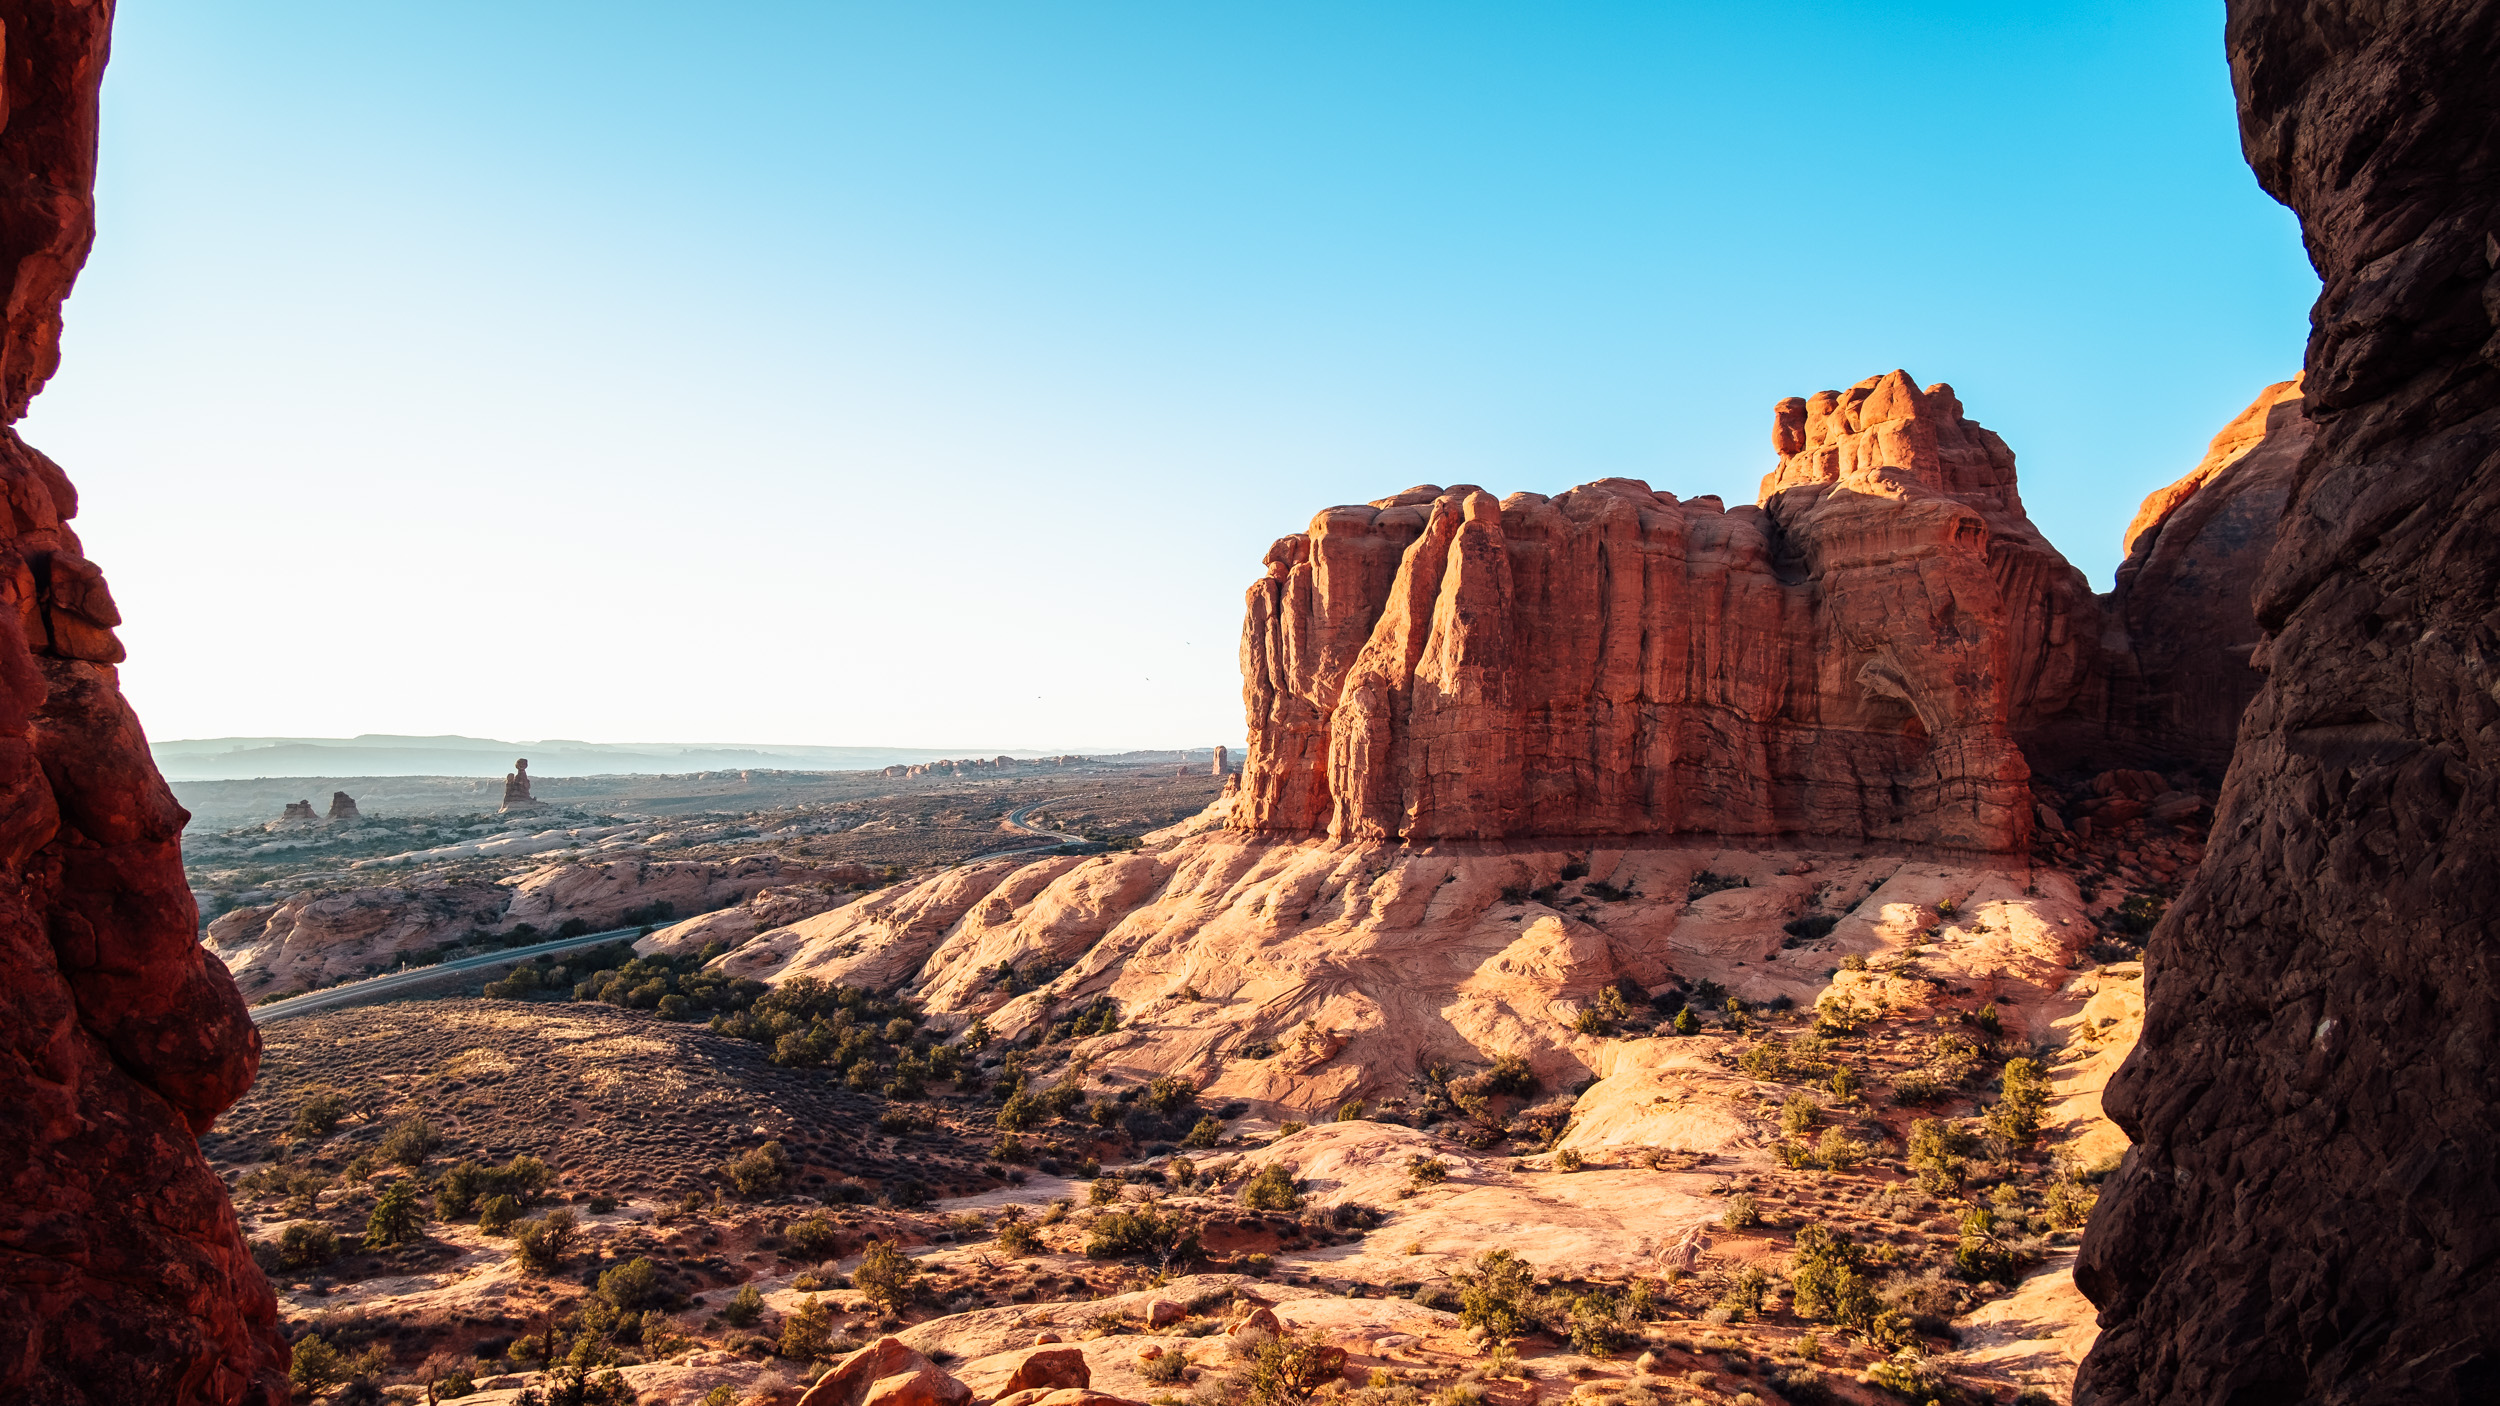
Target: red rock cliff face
{"points": [[1858, 656], [2310, 1212], [122, 1276]]}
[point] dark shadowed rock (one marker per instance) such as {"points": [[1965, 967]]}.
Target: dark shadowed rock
{"points": [[122, 1275], [2310, 1214]]}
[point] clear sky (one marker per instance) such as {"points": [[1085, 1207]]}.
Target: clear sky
{"points": [[936, 374]]}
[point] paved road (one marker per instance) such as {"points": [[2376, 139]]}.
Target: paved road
{"points": [[1016, 818], [378, 987], [374, 987]]}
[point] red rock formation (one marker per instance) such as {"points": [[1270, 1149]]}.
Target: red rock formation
{"points": [[2309, 1214], [122, 1275], [2185, 599], [1857, 657]]}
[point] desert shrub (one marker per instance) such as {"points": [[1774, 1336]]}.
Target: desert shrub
{"points": [[1830, 1280], [1422, 1171], [2141, 913], [1350, 1111], [1685, 1024], [315, 1366], [1021, 1114], [1981, 1255], [1805, 1386], [307, 1242], [1798, 1114], [1206, 1134], [1144, 1230], [1936, 1154], [1105, 1191], [1494, 1295], [496, 1212], [632, 1285], [318, 1115], [1742, 1211], [885, 1275], [1836, 1151], [1906, 1374], [1165, 1368], [1018, 1239], [1272, 1188], [1596, 1324], [1744, 1295], [1706, 883], [456, 1194], [806, 1331], [1167, 1095], [1568, 1160], [758, 1171], [2017, 1116], [396, 1217], [814, 1236], [743, 1309], [2070, 1202], [1286, 1370], [541, 1246], [410, 1142]]}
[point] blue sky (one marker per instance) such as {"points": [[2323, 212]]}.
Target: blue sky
{"points": [[936, 374]]}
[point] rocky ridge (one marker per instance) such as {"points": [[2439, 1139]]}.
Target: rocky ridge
{"points": [[122, 1275], [2308, 1213]]}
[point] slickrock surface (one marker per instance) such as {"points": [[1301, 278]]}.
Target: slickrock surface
{"points": [[2186, 593], [2310, 1214], [1857, 657], [122, 1277]]}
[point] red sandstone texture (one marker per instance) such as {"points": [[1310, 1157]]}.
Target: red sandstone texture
{"points": [[2185, 595], [122, 1276], [2309, 1214], [1857, 657]]}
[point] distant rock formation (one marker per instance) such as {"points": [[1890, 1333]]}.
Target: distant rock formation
{"points": [[949, 766], [1223, 762], [123, 1277], [516, 789], [2309, 1213], [299, 811], [343, 807], [1857, 658]]}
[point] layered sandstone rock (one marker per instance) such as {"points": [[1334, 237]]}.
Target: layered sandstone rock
{"points": [[122, 1276], [343, 807], [298, 813], [1858, 657], [2185, 600], [2309, 1214]]}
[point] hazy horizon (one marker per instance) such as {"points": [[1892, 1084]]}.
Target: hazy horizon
{"points": [[942, 372]]}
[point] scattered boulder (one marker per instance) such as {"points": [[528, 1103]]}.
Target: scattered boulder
{"points": [[887, 1372]]}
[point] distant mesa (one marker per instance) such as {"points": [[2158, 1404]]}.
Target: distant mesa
{"points": [[948, 766], [343, 807], [516, 789]]}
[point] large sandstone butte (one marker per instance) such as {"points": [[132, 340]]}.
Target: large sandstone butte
{"points": [[122, 1275], [1859, 657], [2310, 1213]]}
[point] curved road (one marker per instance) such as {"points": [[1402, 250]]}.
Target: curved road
{"points": [[383, 985], [1017, 819], [375, 987]]}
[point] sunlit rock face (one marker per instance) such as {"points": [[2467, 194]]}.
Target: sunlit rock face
{"points": [[122, 1275], [2309, 1214], [1857, 656]]}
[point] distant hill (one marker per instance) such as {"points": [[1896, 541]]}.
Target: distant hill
{"points": [[386, 754]]}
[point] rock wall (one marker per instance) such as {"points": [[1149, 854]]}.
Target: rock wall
{"points": [[2309, 1213], [1856, 657], [122, 1275]]}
